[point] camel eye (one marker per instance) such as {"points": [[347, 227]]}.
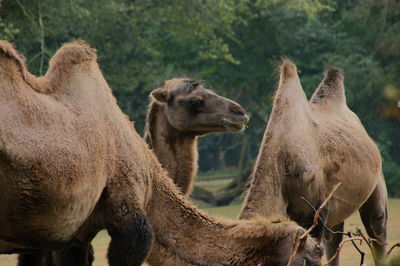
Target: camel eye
{"points": [[195, 103]]}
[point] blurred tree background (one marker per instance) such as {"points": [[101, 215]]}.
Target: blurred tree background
{"points": [[234, 46]]}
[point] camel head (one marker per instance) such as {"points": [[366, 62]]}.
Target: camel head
{"points": [[309, 252], [273, 242], [192, 108]]}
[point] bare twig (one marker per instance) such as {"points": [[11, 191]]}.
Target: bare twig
{"points": [[377, 241], [316, 215], [352, 237], [360, 233], [315, 223], [341, 246], [349, 234], [391, 249], [362, 253], [322, 220]]}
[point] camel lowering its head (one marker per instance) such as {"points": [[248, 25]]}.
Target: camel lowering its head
{"points": [[182, 110], [309, 147], [72, 164]]}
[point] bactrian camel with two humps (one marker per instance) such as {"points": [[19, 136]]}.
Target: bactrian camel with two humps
{"points": [[310, 146]]}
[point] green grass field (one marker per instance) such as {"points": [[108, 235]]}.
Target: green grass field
{"points": [[349, 255]]}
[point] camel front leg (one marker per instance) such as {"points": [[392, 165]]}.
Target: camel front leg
{"points": [[80, 254], [374, 216], [38, 258], [332, 241], [129, 229]]}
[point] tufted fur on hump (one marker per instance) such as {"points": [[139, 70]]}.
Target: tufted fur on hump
{"points": [[331, 89], [285, 70], [68, 56], [14, 67], [9, 51], [289, 90]]}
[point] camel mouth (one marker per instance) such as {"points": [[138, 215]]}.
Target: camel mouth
{"points": [[236, 123]]}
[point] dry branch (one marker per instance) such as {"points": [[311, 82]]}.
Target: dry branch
{"points": [[315, 223], [362, 253], [358, 235], [352, 237], [391, 249], [341, 246], [321, 220]]}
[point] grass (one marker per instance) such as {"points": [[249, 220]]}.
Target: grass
{"points": [[213, 186], [231, 211], [349, 255], [218, 173]]}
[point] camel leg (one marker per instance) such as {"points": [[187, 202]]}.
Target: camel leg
{"points": [[332, 241], [374, 216], [33, 259], [129, 229], [78, 255]]}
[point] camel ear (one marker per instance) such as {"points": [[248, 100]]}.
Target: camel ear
{"points": [[160, 95]]}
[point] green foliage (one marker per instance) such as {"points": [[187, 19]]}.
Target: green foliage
{"points": [[7, 31], [234, 46]]}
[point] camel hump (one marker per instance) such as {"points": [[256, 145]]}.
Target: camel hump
{"points": [[289, 89], [286, 70], [73, 53], [331, 89], [8, 50], [68, 56]]}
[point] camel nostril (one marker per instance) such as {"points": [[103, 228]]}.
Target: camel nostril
{"points": [[318, 251], [237, 110]]}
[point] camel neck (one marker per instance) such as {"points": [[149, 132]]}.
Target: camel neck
{"points": [[183, 235], [181, 231], [175, 150]]}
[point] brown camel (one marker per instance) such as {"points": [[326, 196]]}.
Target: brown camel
{"points": [[72, 164], [307, 148], [181, 111]]}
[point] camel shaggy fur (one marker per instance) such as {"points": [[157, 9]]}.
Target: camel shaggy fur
{"points": [[181, 111], [72, 164], [308, 147]]}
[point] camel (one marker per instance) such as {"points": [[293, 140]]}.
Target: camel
{"points": [[308, 147], [72, 164], [179, 112]]}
